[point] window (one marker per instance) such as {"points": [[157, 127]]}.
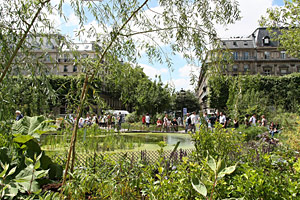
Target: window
{"points": [[235, 55], [246, 68], [267, 55], [246, 55], [66, 68], [282, 55], [47, 58], [234, 44], [266, 40], [65, 57], [283, 71], [84, 55], [75, 68], [267, 71], [245, 43], [235, 68]]}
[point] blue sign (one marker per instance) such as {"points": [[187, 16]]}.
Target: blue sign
{"points": [[184, 111]]}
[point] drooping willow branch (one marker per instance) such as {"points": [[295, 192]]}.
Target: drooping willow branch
{"points": [[162, 29], [20, 43], [84, 91]]}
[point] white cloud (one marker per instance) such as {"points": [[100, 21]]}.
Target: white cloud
{"points": [[180, 83], [251, 11], [72, 20], [186, 70], [152, 72]]}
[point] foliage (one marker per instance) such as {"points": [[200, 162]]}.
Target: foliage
{"points": [[132, 117], [285, 20], [25, 181], [138, 92], [218, 92], [189, 101], [220, 142], [24, 166], [219, 171], [291, 132], [252, 132], [33, 126], [250, 94]]}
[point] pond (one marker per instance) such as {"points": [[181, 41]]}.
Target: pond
{"points": [[117, 142]]}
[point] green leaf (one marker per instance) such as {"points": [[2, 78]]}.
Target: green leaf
{"points": [[22, 138], [199, 186], [226, 171], [34, 126], [2, 174], [28, 161], [212, 164], [37, 164], [12, 171], [220, 165]]}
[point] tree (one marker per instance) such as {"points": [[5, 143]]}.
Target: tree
{"points": [[286, 19], [189, 101], [184, 25]]}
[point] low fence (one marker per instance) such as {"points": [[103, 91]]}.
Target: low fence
{"points": [[91, 159]]}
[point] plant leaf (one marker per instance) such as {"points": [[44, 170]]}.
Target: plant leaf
{"points": [[199, 186], [22, 138], [12, 171], [212, 164], [226, 171]]}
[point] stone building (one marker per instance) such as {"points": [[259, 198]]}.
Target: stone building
{"points": [[255, 54], [54, 57]]}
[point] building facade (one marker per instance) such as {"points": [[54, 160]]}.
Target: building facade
{"points": [[58, 59], [256, 54]]}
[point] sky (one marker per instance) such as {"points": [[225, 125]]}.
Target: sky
{"points": [[179, 75]]}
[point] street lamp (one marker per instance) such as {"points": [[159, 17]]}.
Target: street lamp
{"points": [[182, 94]]}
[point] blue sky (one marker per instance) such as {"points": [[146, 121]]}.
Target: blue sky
{"points": [[179, 76]]}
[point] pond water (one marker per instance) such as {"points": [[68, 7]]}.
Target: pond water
{"points": [[122, 142]]}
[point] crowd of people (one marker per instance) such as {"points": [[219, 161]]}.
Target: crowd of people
{"points": [[107, 120], [167, 124]]}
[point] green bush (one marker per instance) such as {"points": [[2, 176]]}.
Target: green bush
{"points": [[252, 132], [219, 142]]}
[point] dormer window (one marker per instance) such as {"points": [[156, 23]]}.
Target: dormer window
{"points": [[266, 40]]}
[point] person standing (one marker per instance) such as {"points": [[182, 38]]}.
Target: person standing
{"points": [[147, 120], [120, 119], [253, 120], [222, 120], [193, 122], [179, 121], [213, 120], [187, 122], [18, 115], [174, 124], [263, 121], [165, 123], [143, 121], [159, 124]]}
